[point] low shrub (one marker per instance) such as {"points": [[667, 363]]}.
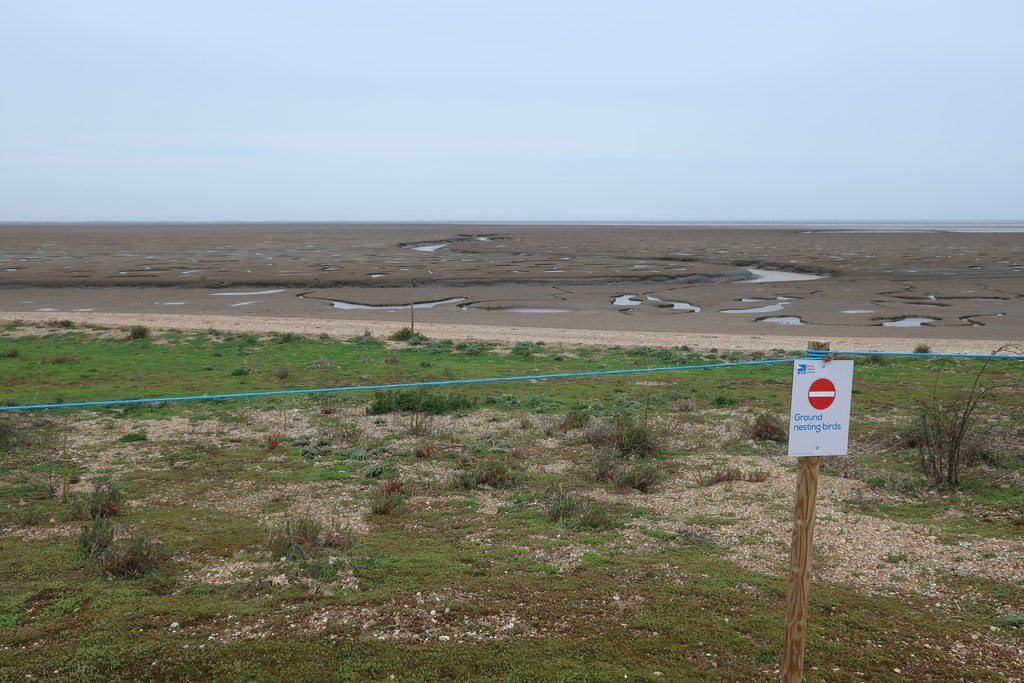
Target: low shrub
{"points": [[404, 334], [922, 348], [273, 440], [574, 418], [10, 352], [395, 401], [134, 557], [639, 476], [627, 435], [769, 427], [712, 477], [520, 451], [391, 359], [137, 332], [97, 536], [605, 464], [296, 539], [106, 500], [281, 372], [388, 498], [490, 472], [577, 511]]}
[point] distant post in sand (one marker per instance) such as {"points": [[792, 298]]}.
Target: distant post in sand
{"points": [[412, 316], [819, 425]]}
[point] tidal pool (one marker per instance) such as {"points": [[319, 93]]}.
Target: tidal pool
{"points": [[348, 306], [909, 322], [783, 320]]}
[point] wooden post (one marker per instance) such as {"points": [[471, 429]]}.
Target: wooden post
{"points": [[412, 316], [800, 560]]}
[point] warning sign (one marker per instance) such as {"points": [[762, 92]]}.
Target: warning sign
{"points": [[821, 394], [819, 418]]}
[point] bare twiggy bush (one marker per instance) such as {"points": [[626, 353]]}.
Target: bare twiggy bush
{"points": [[769, 427]]}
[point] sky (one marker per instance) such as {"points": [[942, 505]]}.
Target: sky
{"points": [[647, 110]]}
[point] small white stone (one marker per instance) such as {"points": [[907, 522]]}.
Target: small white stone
{"points": [[174, 625]]}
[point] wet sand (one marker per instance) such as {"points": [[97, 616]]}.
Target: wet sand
{"points": [[838, 282]]}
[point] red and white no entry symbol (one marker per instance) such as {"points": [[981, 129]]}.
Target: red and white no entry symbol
{"points": [[821, 394]]}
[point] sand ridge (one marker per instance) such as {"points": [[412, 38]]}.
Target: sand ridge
{"points": [[343, 329]]}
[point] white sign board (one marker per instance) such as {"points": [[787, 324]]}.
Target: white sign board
{"points": [[819, 413]]}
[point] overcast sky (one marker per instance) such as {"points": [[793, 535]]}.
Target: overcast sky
{"points": [[513, 110]]}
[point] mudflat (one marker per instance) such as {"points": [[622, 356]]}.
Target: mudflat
{"points": [[800, 281]]}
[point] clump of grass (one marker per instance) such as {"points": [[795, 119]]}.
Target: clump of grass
{"points": [[240, 372], [64, 324], [520, 451], [686, 405], [106, 500], [769, 427], [134, 557], [628, 436], [132, 437], [97, 536], [639, 476], [425, 449], [273, 440], [721, 401], [388, 498], [10, 352], [31, 516], [60, 359], [296, 539], [574, 418], [712, 477], [577, 511], [404, 334], [322, 363], [288, 337], [342, 538], [282, 372], [490, 472], [137, 332], [922, 348], [605, 465], [391, 359]]}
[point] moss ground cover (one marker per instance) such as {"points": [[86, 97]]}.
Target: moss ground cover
{"points": [[548, 572]]}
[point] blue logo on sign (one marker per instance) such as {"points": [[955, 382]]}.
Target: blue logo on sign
{"points": [[801, 368]]}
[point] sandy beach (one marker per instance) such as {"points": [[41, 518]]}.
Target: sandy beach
{"points": [[750, 286]]}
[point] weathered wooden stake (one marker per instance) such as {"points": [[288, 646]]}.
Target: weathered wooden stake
{"points": [[800, 560], [412, 317]]}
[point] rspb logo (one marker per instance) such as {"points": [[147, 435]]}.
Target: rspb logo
{"points": [[803, 369]]}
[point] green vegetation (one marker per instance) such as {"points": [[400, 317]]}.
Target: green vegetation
{"points": [[496, 532]]}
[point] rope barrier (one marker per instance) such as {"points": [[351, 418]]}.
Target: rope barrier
{"points": [[919, 355], [812, 354], [378, 387]]}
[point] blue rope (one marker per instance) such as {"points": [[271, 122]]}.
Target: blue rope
{"points": [[917, 355], [410, 385]]}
